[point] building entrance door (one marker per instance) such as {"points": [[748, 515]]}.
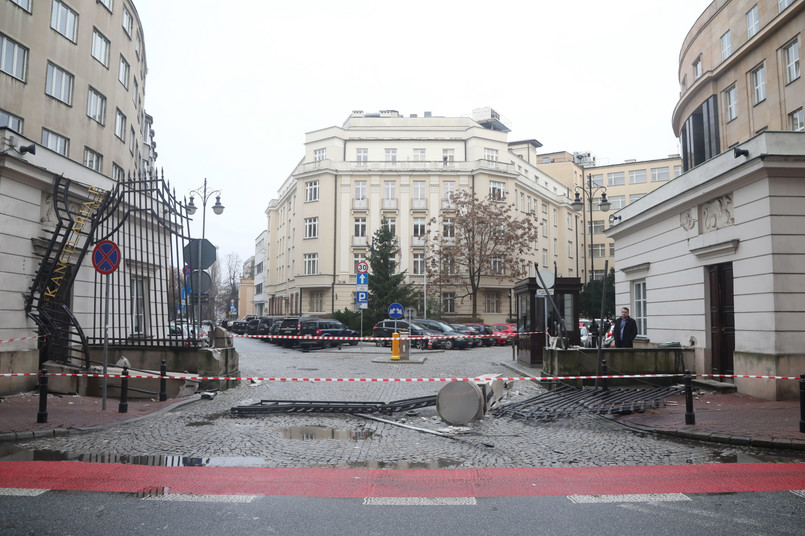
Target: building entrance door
{"points": [[722, 318]]}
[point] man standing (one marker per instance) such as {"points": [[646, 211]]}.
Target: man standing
{"points": [[625, 330]]}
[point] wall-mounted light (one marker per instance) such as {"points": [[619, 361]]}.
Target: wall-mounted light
{"points": [[613, 218], [736, 152], [25, 149]]}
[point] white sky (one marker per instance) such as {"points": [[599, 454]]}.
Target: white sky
{"points": [[234, 86]]}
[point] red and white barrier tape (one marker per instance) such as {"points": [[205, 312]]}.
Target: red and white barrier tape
{"points": [[291, 379], [371, 339], [20, 339]]}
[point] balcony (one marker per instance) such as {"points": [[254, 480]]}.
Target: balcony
{"points": [[359, 241], [430, 166], [389, 204], [419, 204], [418, 241], [360, 204]]}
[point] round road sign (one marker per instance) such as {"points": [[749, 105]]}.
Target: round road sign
{"points": [[363, 267], [105, 257]]}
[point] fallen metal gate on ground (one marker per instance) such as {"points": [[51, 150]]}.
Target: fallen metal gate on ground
{"points": [[566, 401], [299, 406]]}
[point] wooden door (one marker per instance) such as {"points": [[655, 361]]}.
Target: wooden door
{"points": [[722, 318]]}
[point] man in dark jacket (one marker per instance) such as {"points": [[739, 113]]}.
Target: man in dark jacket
{"points": [[625, 330]]}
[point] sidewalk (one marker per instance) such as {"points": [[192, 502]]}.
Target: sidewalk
{"points": [[720, 417]]}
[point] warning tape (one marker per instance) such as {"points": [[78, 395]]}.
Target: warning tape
{"points": [[293, 379], [371, 339], [20, 339]]}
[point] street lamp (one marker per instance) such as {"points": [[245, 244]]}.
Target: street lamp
{"points": [[589, 191], [217, 208]]}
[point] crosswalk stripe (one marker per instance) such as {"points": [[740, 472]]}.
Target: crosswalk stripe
{"points": [[642, 498], [419, 501]]}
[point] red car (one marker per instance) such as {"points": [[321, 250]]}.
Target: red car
{"points": [[504, 333]]}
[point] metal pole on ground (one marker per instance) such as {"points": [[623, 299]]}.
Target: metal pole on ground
{"points": [[690, 417], [802, 403], [123, 407], [163, 381], [42, 416]]}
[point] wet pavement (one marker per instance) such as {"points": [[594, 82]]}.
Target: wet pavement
{"points": [[194, 431]]}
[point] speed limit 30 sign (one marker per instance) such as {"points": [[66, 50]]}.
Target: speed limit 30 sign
{"points": [[363, 267]]}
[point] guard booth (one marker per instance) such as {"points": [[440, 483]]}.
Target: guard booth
{"points": [[536, 320]]}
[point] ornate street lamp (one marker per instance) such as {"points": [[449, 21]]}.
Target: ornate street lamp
{"points": [[218, 209], [589, 191]]}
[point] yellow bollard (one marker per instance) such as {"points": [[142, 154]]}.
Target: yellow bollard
{"points": [[395, 346]]}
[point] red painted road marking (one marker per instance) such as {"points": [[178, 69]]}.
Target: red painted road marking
{"points": [[519, 482]]}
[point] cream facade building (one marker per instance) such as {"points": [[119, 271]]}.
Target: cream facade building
{"points": [[387, 165], [739, 74], [623, 184], [72, 78]]}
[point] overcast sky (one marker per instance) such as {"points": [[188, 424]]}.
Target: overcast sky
{"points": [[234, 86]]}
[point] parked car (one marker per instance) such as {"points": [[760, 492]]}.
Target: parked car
{"points": [[472, 333], [324, 328], [239, 327], [485, 330], [187, 333], [272, 332], [385, 328], [263, 325], [504, 334], [290, 327], [455, 339]]}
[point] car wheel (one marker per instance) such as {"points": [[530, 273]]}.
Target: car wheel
{"points": [[448, 344]]}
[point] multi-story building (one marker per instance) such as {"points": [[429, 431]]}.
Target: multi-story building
{"points": [[739, 75], [260, 264], [72, 77], [403, 169], [623, 184]]}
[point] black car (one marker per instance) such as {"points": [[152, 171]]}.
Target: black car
{"points": [[289, 327], [263, 326], [238, 327], [454, 339], [272, 332], [324, 328], [485, 331], [385, 328]]}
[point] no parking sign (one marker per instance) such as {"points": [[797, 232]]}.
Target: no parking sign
{"points": [[106, 257]]}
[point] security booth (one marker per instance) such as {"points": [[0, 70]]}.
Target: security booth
{"points": [[537, 321]]}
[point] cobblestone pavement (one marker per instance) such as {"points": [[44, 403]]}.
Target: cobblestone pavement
{"points": [[207, 432]]}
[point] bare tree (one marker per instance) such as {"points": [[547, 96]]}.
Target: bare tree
{"points": [[481, 239], [229, 287]]}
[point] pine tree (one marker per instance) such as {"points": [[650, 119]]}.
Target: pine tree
{"points": [[386, 284]]}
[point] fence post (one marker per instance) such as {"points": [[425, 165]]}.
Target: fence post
{"points": [[604, 372], [690, 417], [42, 416], [802, 403], [163, 382], [123, 406]]}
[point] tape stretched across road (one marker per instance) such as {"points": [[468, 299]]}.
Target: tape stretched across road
{"points": [[20, 339]]}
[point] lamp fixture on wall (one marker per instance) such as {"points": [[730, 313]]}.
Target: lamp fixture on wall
{"points": [[736, 152], [24, 149], [613, 218]]}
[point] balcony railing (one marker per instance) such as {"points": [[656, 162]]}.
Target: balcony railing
{"points": [[419, 204], [418, 241], [360, 204], [389, 204], [359, 241], [430, 166]]}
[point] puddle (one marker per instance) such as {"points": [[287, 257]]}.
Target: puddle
{"points": [[308, 433]]}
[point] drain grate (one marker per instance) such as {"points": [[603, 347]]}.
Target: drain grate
{"points": [[324, 406]]}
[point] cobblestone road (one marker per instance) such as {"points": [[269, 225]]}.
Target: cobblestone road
{"points": [[205, 430]]}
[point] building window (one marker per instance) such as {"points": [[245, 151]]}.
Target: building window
{"points": [[11, 121], [317, 301], [635, 197], [123, 72], [258, 289], [597, 180], [449, 302], [419, 155], [752, 22], [544, 227], [797, 120], [107, 4], [120, 125], [117, 173], [618, 201], [419, 227], [598, 251], [55, 142], [138, 305], [640, 301], [390, 190], [127, 21], [391, 155], [497, 190], [64, 20], [419, 264], [311, 191], [448, 156], [677, 171], [782, 4], [135, 92], [449, 266], [360, 190], [391, 225], [555, 247], [726, 46], [312, 227], [357, 258], [59, 84], [490, 154], [792, 61], [570, 221], [100, 47], [360, 227], [596, 226], [419, 189], [731, 99], [24, 4], [258, 268], [92, 160], [497, 266], [759, 83], [448, 228], [448, 189], [319, 155], [697, 68], [659, 174], [544, 258], [491, 302], [362, 156], [12, 58], [616, 178], [637, 176], [311, 263], [132, 138], [569, 249]]}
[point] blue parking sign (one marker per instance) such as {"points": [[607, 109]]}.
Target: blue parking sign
{"points": [[362, 297]]}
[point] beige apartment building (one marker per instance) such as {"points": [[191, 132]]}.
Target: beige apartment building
{"points": [[72, 78], [739, 75], [623, 184], [387, 165]]}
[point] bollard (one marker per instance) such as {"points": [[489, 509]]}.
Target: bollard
{"points": [[42, 416], [163, 381], [690, 417], [123, 407], [802, 403], [395, 346], [604, 372]]}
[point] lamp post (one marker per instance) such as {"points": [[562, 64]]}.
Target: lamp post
{"points": [[589, 191], [217, 208]]}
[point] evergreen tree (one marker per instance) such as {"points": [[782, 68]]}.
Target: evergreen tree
{"points": [[590, 297], [386, 285]]}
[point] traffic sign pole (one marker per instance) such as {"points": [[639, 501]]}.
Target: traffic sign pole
{"points": [[105, 259]]}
